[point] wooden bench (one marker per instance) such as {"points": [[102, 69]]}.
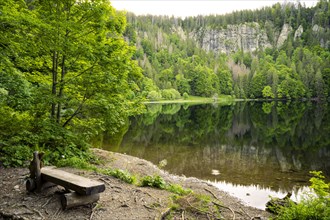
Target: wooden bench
{"points": [[86, 191]]}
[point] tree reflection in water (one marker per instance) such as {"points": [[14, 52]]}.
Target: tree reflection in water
{"points": [[272, 145]]}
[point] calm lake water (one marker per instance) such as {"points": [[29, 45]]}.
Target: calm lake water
{"points": [[249, 149]]}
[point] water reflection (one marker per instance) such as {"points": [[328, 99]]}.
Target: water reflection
{"points": [[271, 145], [254, 195]]}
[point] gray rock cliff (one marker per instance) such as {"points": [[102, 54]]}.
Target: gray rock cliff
{"points": [[286, 29], [247, 37]]}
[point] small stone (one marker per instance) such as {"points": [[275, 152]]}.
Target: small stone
{"points": [[27, 199], [16, 187], [247, 194]]}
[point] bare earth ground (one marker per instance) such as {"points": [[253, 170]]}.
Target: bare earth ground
{"points": [[119, 201]]}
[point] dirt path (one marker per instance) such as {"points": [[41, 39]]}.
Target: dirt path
{"points": [[119, 201]]}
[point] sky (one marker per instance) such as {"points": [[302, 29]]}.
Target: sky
{"points": [[183, 8]]}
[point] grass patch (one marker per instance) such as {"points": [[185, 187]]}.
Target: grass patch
{"points": [[197, 99], [120, 174], [178, 189], [75, 162]]}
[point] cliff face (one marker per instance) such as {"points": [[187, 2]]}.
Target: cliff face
{"points": [[286, 30], [248, 37]]}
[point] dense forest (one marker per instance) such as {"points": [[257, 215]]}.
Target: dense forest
{"points": [[70, 70], [290, 58]]}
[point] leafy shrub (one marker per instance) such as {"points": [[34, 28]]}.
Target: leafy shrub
{"points": [[122, 175], [321, 188], [15, 156], [314, 206], [153, 181]]}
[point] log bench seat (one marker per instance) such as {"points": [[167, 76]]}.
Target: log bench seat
{"points": [[79, 184]]}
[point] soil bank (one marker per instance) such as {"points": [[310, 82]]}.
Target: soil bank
{"points": [[120, 200]]}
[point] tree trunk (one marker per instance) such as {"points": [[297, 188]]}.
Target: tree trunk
{"points": [[54, 82], [60, 94]]}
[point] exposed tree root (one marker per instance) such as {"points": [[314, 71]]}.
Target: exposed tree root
{"points": [[211, 193], [226, 207]]}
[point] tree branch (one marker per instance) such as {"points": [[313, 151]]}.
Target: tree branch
{"points": [[79, 74], [75, 112]]}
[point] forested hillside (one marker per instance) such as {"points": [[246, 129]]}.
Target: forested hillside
{"points": [[274, 52], [70, 70]]}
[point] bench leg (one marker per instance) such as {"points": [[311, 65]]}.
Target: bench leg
{"points": [[74, 199]]}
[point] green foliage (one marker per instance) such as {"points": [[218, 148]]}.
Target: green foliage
{"points": [[16, 89], [321, 188], [267, 92], [267, 107], [154, 95], [178, 189], [186, 67], [15, 156], [153, 181], [69, 80], [75, 162], [313, 206], [170, 94], [73, 77], [290, 88], [225, 82], [185, 96], [121, 174]]}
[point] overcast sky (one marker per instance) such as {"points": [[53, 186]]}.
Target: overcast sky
{"points": [[183, 8]]}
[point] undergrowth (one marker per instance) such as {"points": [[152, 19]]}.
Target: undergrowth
{"points": [[314, 205], [193, 206], [18, 156]]}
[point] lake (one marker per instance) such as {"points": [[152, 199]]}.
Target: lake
{"points": [[249, 149]]}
